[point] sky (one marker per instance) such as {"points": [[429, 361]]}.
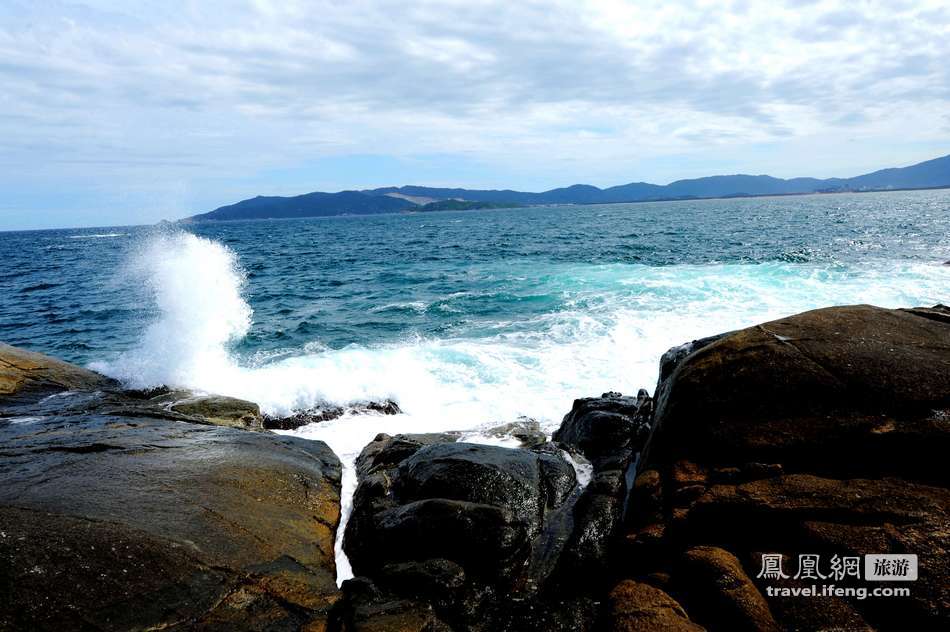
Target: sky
{"points": [[116, 113]]}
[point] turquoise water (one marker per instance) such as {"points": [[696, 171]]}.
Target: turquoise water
{"points": [[465, 318]]}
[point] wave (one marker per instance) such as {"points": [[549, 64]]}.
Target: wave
{"points": [[195, 285], [98, 236], [612, 326]]}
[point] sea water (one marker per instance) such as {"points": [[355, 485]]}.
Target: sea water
{"points": [[466, 319]]}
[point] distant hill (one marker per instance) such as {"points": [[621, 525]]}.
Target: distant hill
{"points": [[930, 174], [465, 205]]}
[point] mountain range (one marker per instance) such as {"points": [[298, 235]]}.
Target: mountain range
{"points": [[930, 174]]}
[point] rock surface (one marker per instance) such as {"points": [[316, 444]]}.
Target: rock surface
{"points": [[821, 433], [140, 523], [465, 533], [637, 607], [134, 510], [326, 413], [608, 429], [477, 505], [222, 411], [22, 370]]}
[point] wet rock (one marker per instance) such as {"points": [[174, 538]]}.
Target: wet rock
{"points": [[368, 608], [477, 505], [302, 418], [326, 413], [527, 431], [471, 530], [639, 607], [133, 523], [386, 451], [607, 430], [23, 371], [222, 411]]}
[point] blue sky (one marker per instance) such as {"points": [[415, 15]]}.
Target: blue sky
{"points": [[124, 113]]}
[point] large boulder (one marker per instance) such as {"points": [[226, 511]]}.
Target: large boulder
{"points": [[118, 523], [821, 433], [608, 431], [478, 505], [35, 384], [844, 390], [457, 534]]}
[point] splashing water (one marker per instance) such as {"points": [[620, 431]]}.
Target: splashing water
{"points": [[196, 286], [517, 337]]}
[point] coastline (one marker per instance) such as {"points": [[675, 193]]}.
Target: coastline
{"points": [[737, 452]]}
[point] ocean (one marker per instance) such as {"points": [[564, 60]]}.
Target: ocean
{"points": [[466, 319]]}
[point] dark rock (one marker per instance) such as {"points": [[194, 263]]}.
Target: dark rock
{"points": [[302, 418], [638, 607], [367, 608], [131, 523], [597, 515], [387, 452], [476, 505], [607, 430], [326, 413], [473, 531]]}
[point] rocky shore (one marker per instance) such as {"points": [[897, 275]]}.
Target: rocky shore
{"points": [[821, 433]]}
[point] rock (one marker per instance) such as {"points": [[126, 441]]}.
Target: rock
{"points": [[821, 433], [367, 608], [474, 531], [638, 607], [719, 594], [802, 391], [132, 523], [477, 505], [22, 370], [592, 540], [326, 413], [222, 411], [387, 452], [527, 431], [302, 418], [27, 379], [607, 430]]}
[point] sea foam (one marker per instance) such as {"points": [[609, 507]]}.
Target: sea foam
{"points": [[615, 323]]}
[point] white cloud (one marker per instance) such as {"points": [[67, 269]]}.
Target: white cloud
{"points": [[604, 91]]}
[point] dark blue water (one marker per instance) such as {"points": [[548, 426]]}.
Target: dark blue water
{"points": [[364, 280], [466, 319]]}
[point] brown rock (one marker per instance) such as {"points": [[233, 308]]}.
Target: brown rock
{"points": [[718, 592], [688, 473], [22, 370], [134, 523], [803, 391], [637, 607], [222, 411]]}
